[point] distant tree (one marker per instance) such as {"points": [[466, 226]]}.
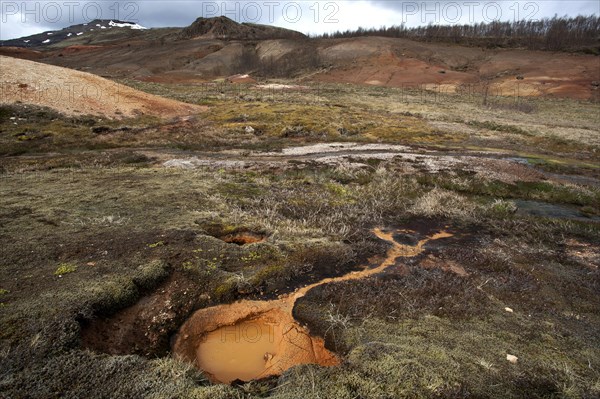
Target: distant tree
{"points": [[556, 34]]}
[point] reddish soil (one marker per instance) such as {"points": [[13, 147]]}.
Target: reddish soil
{"points": [[392, 71], [403, 63], [80, 49], [23, 53], [243, 238]]}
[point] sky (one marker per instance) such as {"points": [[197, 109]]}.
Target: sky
{"points": [[23, 18]]}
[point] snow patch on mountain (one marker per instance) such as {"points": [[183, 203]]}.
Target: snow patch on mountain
{"points": [[126, 25]]}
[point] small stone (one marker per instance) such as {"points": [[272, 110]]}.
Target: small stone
{"points": [[512, 358], [249, 129], [509, 310]]}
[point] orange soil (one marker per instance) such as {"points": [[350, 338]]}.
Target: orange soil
{"points": [[403, 63], [255, 339]]}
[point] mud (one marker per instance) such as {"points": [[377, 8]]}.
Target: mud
{"points": [[238, 235], [243, 237], [255, 339]]}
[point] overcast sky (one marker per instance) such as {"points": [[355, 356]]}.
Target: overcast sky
{"points": [[20, 18]]}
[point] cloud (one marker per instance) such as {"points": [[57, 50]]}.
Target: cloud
{"points": [[475, 11], [19, 18]]}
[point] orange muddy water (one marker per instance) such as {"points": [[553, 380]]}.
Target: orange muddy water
{"points": [[249, 340]]}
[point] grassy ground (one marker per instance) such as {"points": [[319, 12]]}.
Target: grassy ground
{"points": [[90, 225]]}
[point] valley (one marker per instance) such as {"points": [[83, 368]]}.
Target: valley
{"points": [[241, 211]]}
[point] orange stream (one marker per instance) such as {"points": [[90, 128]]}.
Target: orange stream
{"points": [[254, 339]]}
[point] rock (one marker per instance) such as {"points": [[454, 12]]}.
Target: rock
{"points": [[509, 310], [249, 129], [512, 358], [520, 77]]}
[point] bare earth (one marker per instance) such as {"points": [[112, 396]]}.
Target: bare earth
{"points": [[79, 93]]}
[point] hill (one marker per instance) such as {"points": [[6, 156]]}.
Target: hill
{"points": [[226, 28], [212, 48], [74, 33], [78, 93]]}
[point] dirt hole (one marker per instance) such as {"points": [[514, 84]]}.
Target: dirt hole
{"points": [[234, 235], [243, 237], [231, 343]]}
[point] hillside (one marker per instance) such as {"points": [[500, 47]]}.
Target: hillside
{"points": [[213, 48], [78, 93], [226, 28], [105, 28]]}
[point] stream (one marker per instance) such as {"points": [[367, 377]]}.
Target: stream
{"points": [[249, 340]]}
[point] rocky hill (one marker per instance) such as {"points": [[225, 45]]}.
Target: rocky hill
{"points": [[225, 28], [73, 33]]}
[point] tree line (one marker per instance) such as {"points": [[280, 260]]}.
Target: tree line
{"points": [[556, 34]]}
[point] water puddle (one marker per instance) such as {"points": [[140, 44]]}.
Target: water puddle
{"points": [[544, 209], [250, 340], [575, 179]]}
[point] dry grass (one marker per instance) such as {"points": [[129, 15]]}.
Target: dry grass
{"points": [[128, 224]]}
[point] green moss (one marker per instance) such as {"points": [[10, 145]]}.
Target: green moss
{"points": [[337, 189], [3, 291], [65, 268], [251, 257], [490, 125], [225, 290], [156, 244], [541, 191], [269, 272]]}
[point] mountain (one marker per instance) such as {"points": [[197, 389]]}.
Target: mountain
{"points": [[111, 31], [225, 28], [73, 32]]}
